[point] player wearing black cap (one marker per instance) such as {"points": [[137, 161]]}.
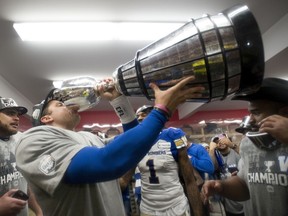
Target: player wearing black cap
{"points": [[11, 179]]}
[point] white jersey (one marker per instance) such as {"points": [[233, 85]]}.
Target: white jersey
{"points": [[160, 184]]}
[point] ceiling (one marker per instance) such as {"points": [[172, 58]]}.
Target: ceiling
{"points": [[30, 68]]}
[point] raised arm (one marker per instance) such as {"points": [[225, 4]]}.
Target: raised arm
{"points": [[92, 164]]}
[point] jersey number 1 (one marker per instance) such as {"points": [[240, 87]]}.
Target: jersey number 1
{"points": [[153, 178]]}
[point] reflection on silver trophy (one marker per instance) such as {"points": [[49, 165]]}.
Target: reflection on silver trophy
{"points": [[245, 126], [82, 91], [223, 52]]}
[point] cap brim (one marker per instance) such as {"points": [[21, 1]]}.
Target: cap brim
{"points": [[21, 110], [255, 96], [272, 89], [264, 94]]}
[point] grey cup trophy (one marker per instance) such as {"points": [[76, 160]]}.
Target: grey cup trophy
{"points": [[224, 52]]}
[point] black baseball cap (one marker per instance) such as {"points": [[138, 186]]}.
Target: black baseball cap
{"points": [[9, 103], [272, 88], [38, 108]]}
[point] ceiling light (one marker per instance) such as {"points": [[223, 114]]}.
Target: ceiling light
{"points": [[91, 31]]}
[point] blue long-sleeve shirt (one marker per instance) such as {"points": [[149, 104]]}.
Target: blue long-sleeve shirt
{"points": [[200, 159]]}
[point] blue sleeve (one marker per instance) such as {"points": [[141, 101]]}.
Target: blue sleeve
{"points": [[130, 125], [200, 159], [93, 164]]}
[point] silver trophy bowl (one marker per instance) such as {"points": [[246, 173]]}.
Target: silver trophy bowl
{"points": [[80, 91], [224, 52]]}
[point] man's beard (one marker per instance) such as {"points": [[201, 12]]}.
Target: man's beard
{"points": [[74, 121], [5, 131]]}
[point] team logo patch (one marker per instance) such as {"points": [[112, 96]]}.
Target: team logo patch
{"points": [[180, 143], [47, 164]]}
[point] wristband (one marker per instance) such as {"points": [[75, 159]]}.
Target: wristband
{"points": [[123, 109], [164, 109], [163, 112]]}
